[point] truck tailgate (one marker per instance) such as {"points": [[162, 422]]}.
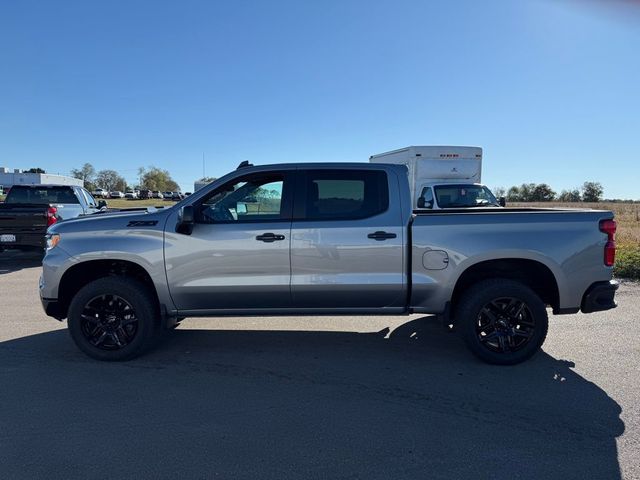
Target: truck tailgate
{"points": [[23, 224]]}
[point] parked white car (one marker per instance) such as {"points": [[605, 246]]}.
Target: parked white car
{"points": [[131, 195], [100, 192], [116, 194]]}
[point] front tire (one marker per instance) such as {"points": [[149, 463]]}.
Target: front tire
{"points": [[502, 321], [113, 318]]}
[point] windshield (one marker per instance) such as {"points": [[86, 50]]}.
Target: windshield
{"points": [[45, 195], [464, 196]]}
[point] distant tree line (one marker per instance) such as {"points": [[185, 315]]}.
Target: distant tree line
{"points": [[151, 178], [541, 192]]}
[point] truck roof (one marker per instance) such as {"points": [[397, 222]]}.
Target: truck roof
{"points": [[319, 165]]}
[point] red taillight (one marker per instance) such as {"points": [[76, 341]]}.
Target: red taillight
{"points": [[610, 254], [609, 227], [51, 216]]}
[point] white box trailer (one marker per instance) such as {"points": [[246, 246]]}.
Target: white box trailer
{"points": [[440, 168], [436, 164]]}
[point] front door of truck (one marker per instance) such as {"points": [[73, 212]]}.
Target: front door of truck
{"points": [[347, 240], [237, 256]]}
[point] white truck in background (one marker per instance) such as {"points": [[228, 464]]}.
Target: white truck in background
{"points": [[443, 177]]}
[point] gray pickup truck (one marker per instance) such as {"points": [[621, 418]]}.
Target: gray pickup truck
{"points": [[331, 238]]}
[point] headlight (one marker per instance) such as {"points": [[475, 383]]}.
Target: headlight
{"points": [[52, 240]]}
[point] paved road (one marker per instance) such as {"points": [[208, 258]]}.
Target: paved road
{"points": [[371, 398]]}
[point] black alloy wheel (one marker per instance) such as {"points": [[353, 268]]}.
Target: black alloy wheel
{"points": [[109, 322], [505, 325], [114, 318], [502, 321]]}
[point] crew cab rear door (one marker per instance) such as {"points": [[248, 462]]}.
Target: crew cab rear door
{"points": [[347, 240], [237, 256]]}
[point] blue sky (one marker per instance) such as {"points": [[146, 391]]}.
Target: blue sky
{"points": [[549, 89]]}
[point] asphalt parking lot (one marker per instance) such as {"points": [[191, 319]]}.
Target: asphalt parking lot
{"points": [[328, 397]]}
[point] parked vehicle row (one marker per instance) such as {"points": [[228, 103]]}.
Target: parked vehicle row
{"points": [[138, 194]]}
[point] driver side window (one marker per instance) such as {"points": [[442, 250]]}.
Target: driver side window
{"points": [[250, 199]]}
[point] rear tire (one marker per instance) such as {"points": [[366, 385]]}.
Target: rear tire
{"points": [[113, 319], [502, 321]]}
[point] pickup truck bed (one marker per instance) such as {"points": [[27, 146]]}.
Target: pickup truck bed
{"points": [[552, 238], [334, 238]]}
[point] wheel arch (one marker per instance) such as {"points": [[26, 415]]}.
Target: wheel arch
{"points": [[85, 272], [533, 273]]}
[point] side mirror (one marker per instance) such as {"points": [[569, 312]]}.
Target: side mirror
{"points": [[102, 204], [422, 203], [186, 220], [502, 201]]}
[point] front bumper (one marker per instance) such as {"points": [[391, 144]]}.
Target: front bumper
{"points": [[54, 264], [599, 296], [52, 308]]}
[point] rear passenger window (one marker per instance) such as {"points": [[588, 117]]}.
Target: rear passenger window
{"points": [[345, 194]]}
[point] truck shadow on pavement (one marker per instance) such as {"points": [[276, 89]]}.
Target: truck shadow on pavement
{"points": [[299, 404], [14, 260]]}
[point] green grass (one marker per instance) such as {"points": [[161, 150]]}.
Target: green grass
{"points": [[627, 261], [125, 203]]}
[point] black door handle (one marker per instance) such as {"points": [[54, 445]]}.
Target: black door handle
{"points": [[380, 235], [269, 237]]}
